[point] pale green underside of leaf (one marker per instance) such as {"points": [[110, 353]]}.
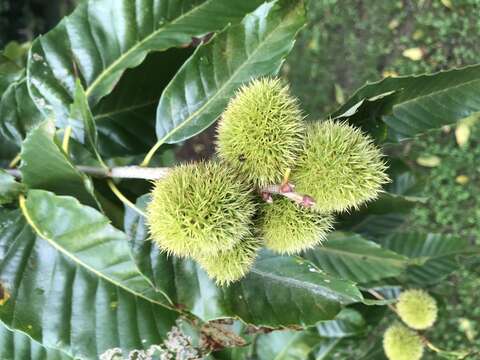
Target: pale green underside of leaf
{"points": [[424, 102], [58, 297], [279, 290], [286, 345], [435, 254], [348, 322], [103, 38], [18, 346], [351, 257], [199, 92]]}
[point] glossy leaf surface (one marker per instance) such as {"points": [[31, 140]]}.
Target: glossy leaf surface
{"points": [[304, 293], [103, 38], [202, 88], [350, 256], [18, 113], [45, 166], [420, 103], [56, 292]]}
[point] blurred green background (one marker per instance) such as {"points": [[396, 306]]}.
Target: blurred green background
{"points": [[350, 42]]}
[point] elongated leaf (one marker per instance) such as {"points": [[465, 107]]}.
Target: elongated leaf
{"points": [[350, 256], [59, 299], [200, 91], [286, 345], [382, 217], [125, 118], [86, 237], [348, 322], [279, 291], [12, 66], [103, 38], [18, 113], [422, 103], [45, 166], [81, 114], [323, 350], [435, 254], [18, 346], [9, 188]]}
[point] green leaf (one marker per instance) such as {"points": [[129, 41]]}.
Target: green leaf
{"points": [[323, 349], [364, 114], [12, 59], [348, 322], [433, 256], [382, 217], [199, 92], [9, 188], [18, 346], [279, 291], [75, 288], [125, 118], [18, 113], [45, 166], [8, 151], [286, 345], [375, 351], [421, 103], [80, 113], [351, 257], [103, 38], [87, 238]]}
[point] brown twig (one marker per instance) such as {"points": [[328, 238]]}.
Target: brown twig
{"points": [[287, 190]]}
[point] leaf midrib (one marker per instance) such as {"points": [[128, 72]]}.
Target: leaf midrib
{"points": [[379, 83], [358, 255], [314, 288], [76, 260], [227, 83], [102, 116], [105, 72], [434, 93]]}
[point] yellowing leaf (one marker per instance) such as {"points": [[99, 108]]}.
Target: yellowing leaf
{"points": [[389, 73], [462, 179], [417, 35], [393, 24], [414, 54], [462, 134], [339, 96], [429, 161], [4, 295], [447, 3]]}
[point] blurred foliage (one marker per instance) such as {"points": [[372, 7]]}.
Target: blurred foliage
{"points": [[459, 328], [453, 205], [349, 42], [22, 20]]}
